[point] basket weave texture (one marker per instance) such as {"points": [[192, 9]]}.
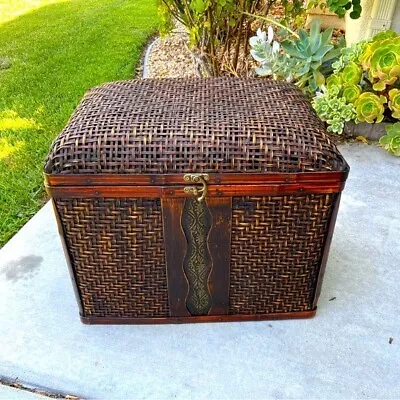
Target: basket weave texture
{"points": [[117, 249], [277, 244], [193, 125]]}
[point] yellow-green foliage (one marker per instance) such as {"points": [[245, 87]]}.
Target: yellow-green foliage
{"points": [[394, 102], [351, 93], [391, 141], [367, 76], [351, 74], [370, 107], [381, 61]]}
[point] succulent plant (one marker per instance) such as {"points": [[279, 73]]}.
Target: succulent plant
{"points": [[266, 51], [384, 35], [301, 60], [351, 93], [334, 80], [334, 110], [366, 77], [391, 141], [348, 54], [394, 102], [351, 74], [382, 61], [369, 107], [308, 55]]}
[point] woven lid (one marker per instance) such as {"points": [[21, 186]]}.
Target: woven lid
{"points": [[193, 125]]}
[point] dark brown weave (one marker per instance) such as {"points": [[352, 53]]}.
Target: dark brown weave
{"points": [[193, 125], [117, 252], [277, 245]]}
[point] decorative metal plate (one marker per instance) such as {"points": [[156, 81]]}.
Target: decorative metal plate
{"points": [[196, 224]]}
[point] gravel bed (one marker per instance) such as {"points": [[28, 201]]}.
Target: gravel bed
{"points": [[170, 57]]}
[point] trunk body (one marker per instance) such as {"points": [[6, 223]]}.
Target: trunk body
{"points": [[166, 229]]}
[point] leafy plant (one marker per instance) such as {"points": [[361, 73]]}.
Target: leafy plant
{"points": [[348, 54], [391, 141], [339, 7], [334, 110], [369, 107], [334, 80]]}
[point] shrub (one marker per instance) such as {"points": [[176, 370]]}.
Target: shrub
{"points": [[340, 7], [220, 29]]}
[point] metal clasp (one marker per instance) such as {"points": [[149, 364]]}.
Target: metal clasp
{"points": [[201, 192]]}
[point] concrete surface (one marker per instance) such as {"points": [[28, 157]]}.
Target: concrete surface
{"points": [[9, 393], [343, 353]]}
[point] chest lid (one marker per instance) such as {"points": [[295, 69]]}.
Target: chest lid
{"points": [[176, 126]]}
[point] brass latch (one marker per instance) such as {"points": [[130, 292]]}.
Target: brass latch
{"points": [[200, 192]]}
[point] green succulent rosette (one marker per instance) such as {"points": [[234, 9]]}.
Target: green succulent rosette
{"points": [[381, 60], [351, 93], [333, 81], [391, 141], [351, 74], [369, 107], [394, 102], [384, 35]]}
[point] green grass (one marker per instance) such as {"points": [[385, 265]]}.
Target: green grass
{"points": [[51, 52]]}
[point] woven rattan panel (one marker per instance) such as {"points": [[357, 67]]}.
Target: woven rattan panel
{"points": [[277, 245], [193, 125], [117, 252]]}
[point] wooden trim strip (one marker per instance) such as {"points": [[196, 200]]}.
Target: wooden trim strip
{"points": [[177, 179], [204, 318], [219, 245], [175, 249], [177, 191]]}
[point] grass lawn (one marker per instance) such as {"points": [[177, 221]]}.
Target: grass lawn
{"points": [[51, 52]]}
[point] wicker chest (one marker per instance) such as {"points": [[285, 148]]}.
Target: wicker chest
{"points": [[195, 200]]}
